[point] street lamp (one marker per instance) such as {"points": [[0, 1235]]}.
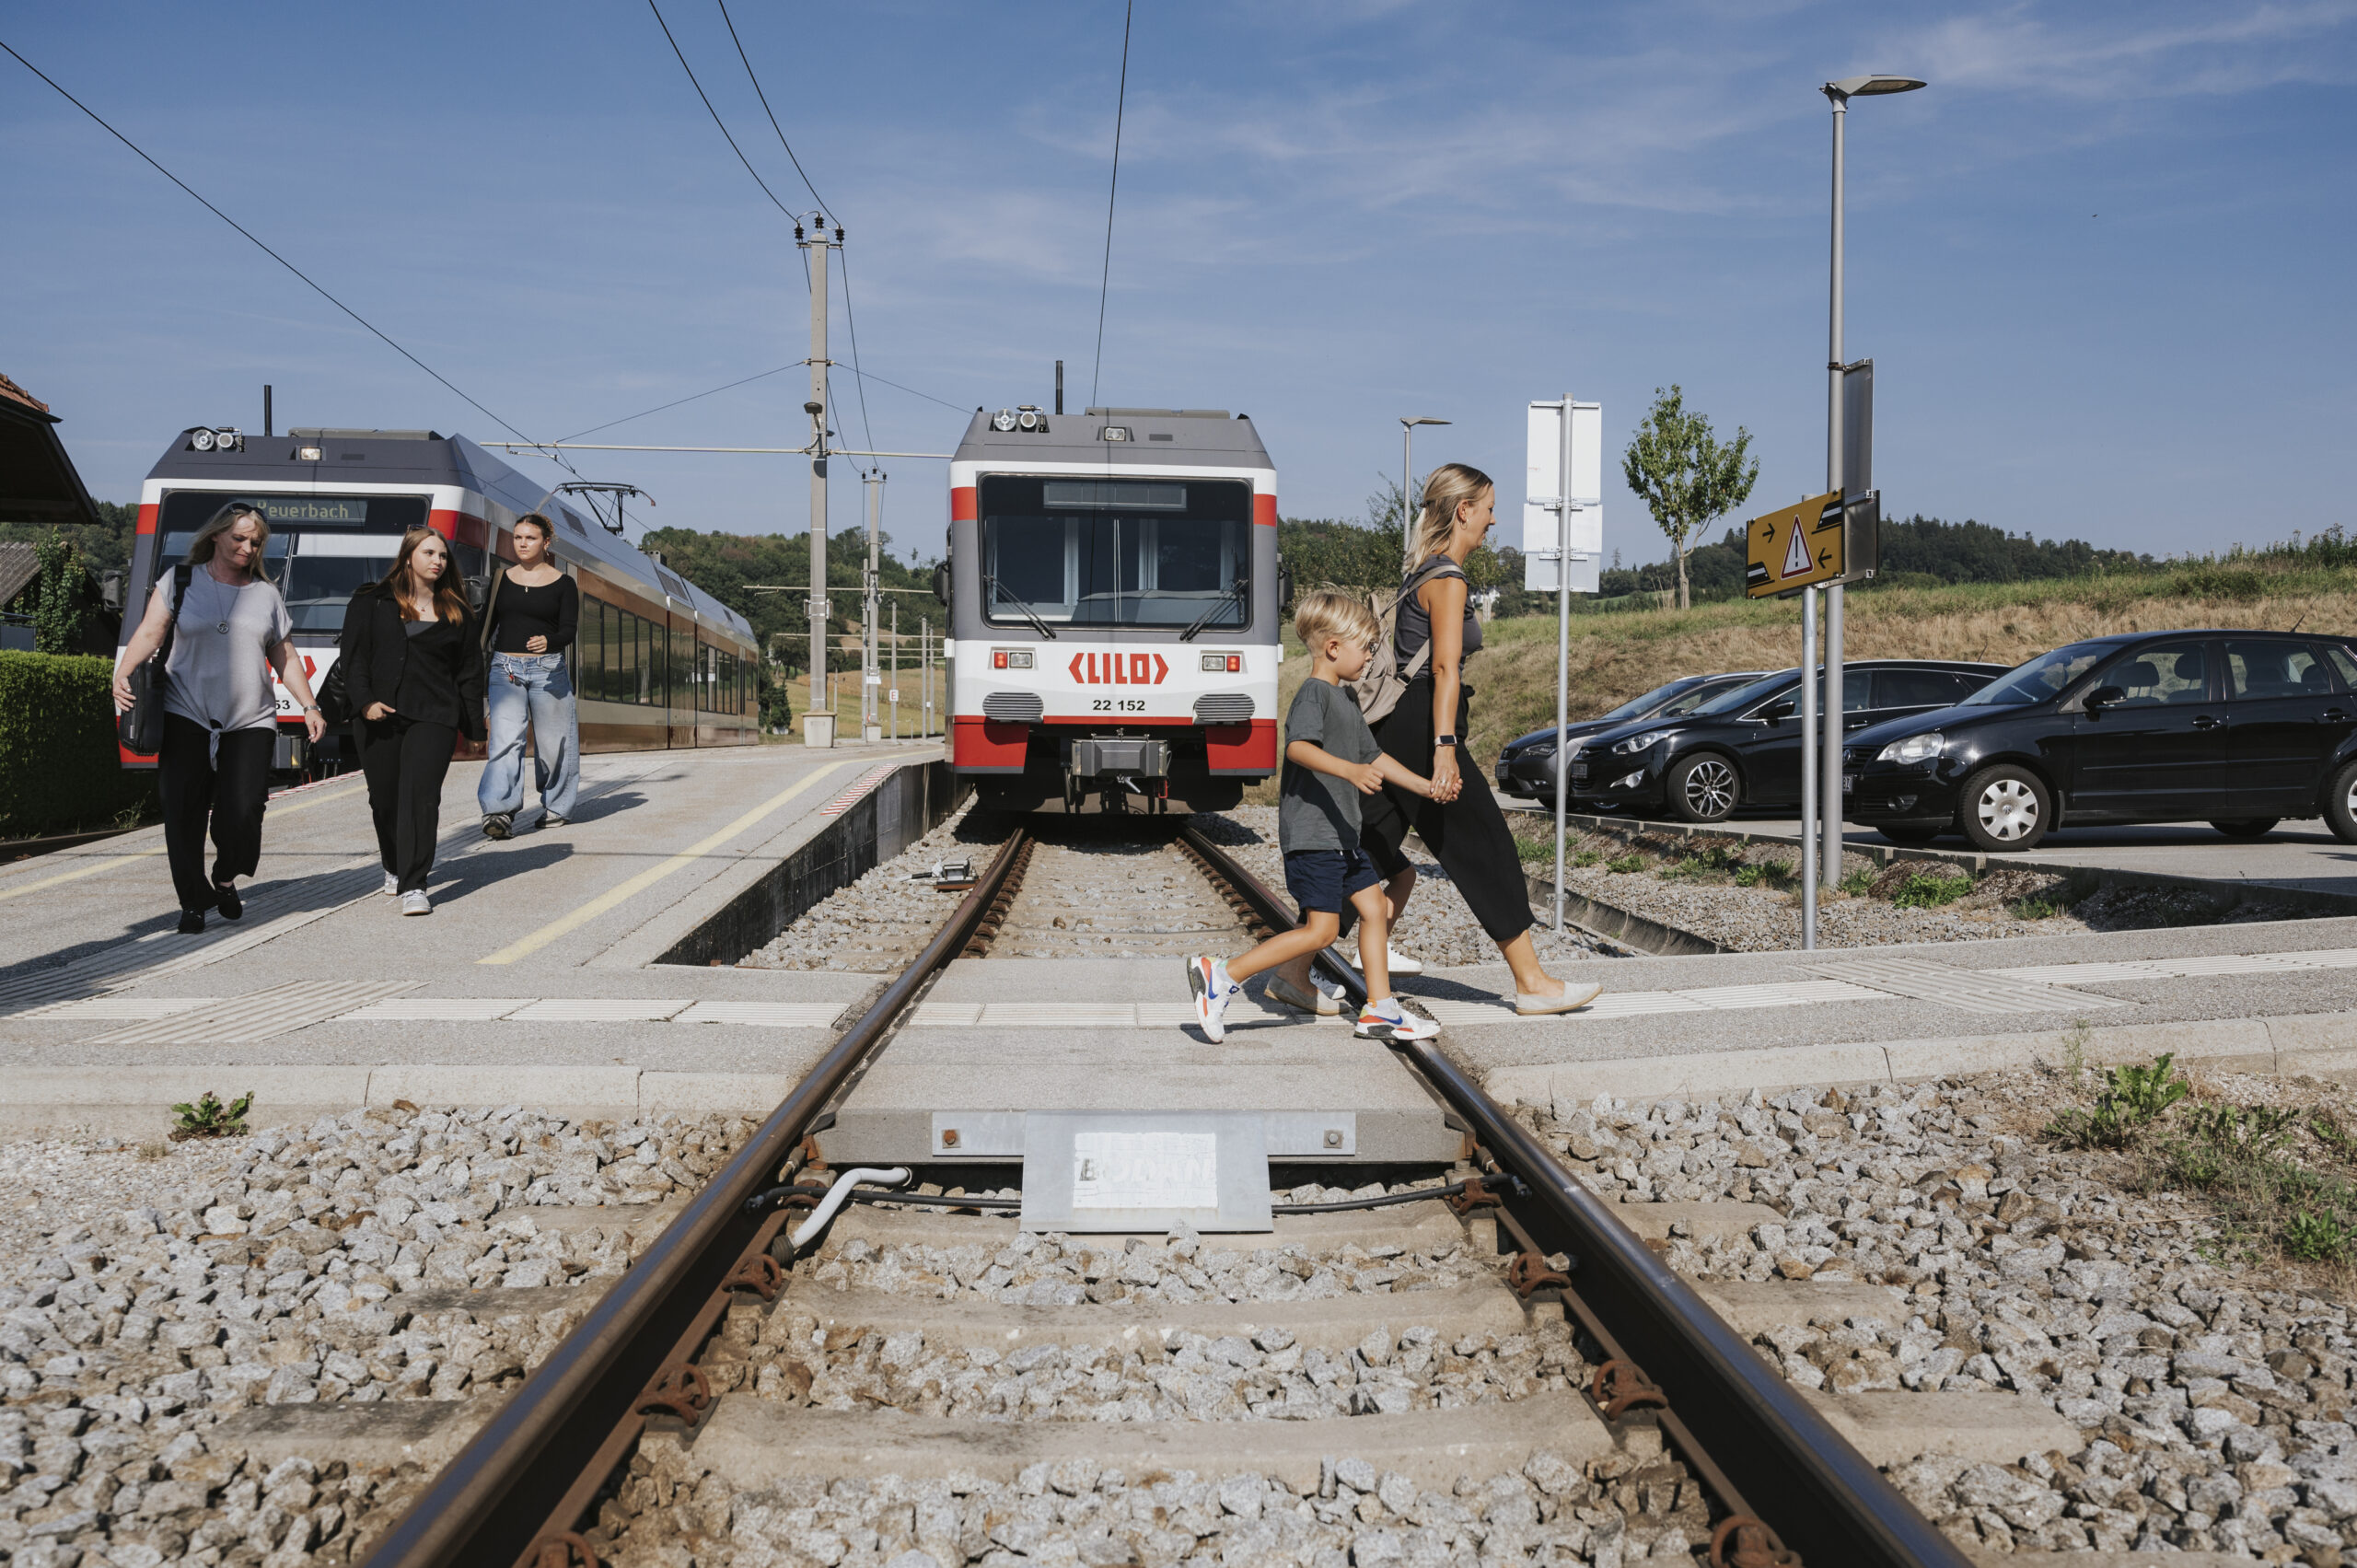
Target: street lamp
{"points": [[1841, 93], [1407, 470]]}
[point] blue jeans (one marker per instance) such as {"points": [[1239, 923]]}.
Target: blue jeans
{"points": [[539, 687]]}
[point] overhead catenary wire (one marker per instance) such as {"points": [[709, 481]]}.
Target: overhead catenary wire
{"points": [[309, 281], [1105, 280], [708, 108]]}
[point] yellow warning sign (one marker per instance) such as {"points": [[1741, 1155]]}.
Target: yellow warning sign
{"points": [[1795, 547]]}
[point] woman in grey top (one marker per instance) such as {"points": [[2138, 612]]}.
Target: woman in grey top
{"points": [[220, 715]]}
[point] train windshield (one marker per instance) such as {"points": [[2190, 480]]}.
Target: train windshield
{"points": [[322, 548], [1115, 551]]}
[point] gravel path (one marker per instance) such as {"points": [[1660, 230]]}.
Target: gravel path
{"points": [[1699, 887], [150, 1293], [2213, 1400], [877, 924]]}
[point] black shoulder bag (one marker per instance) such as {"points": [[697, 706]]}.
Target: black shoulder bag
{"points": [[140, 728]]}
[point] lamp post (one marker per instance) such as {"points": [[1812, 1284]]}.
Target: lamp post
{"points": [[1841, 93], [1407, 473]]}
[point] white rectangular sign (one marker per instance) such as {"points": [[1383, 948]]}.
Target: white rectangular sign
{"points": [[1144, 1170], [1544, 495]]}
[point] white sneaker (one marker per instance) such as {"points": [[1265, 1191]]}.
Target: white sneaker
{"points": [[416, 902], [1207, 979], [1394, 959], [392, 884], [1388, 1020]]}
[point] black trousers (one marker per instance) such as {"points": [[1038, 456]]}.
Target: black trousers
{"points": [[232, 792], [404, 760], [1469, 835]]}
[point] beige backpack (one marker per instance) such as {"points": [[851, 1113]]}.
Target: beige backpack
{"points": [[1378, 690]]}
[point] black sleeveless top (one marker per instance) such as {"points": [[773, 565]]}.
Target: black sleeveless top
{"points": [[1414, 627]]}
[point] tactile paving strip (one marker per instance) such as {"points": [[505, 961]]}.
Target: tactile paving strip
{"points": [[242, 1020], [117, 1009], [437, 1010], [857, 788], [1972, 991], [598, 1010], [773, 1014]]}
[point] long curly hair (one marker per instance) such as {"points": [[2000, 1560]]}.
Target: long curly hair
{"points": [[449, 599]]}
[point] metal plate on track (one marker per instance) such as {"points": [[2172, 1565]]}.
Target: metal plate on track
{"points": [[1112, 1171], [1285, 1135]]}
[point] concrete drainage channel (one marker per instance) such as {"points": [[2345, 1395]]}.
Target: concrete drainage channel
{"points": [[880, 824]]}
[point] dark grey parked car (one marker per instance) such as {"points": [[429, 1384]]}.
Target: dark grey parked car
{"points": [[1527, 767]]}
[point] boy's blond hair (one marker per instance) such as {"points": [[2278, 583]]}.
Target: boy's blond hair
{"points": [[1327, 613]]}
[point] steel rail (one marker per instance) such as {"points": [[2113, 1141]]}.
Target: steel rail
{"points": [[537, 1466], [1823, 1499]]}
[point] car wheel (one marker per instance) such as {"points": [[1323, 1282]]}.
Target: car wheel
{"points": [[2341, 804], [2246, 827], [2005, 808], [1910, 835], [1704, 788]]}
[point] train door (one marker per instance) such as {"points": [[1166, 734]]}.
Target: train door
{"points": [[679, 695]]}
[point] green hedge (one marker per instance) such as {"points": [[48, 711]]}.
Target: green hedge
{"points": [[59, 770]]}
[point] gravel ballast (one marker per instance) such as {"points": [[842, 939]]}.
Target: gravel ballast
{"points": [[2212, 1402]]}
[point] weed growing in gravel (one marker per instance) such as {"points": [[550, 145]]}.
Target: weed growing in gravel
{"points": [[1586, 858], [1765, 874], [2316, 1238], [2133, 1099], [1858, 883], [1708, 861], [1626, 865], [1930, 890], [208, 1118]]}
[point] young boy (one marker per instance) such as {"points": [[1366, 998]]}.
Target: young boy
{"points": [[1330, 760]]}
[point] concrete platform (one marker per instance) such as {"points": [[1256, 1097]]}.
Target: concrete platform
{"points": [[1324, 1094]]}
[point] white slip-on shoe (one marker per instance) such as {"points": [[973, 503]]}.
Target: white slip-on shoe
{"points": [[415, 901], [1394, 959], [1574, 997], [1320, 1002], [392, 884]]}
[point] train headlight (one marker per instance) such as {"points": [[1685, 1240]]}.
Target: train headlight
{"points": [[1028, 419], [199, 440], [1003, 421], [1223, 664], [1114, 433], [308, 454], [1010, 658]]}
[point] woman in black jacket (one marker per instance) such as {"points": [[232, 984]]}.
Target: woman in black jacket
{"points": [[413, 672]]}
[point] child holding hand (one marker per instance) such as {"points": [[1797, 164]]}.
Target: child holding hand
{"points": [[1330, 760]]}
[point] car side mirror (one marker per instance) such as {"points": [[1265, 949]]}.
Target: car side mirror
{"points": [[941, 583], [1777, 712], [2104, 696]]}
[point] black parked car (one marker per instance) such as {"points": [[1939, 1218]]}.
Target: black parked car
{"points": [[2238, 730], [1527, 767], [1743, 748]]}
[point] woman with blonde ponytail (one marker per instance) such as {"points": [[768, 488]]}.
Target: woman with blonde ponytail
{"points": [[1437, 632]]}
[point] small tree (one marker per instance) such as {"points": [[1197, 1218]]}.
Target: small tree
{"points": [[1685, 475], [65, 592]]}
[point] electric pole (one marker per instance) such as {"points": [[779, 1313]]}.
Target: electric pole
{"points": [[870, 677], [818, 244]]}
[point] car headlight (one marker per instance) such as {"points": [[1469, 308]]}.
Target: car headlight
{"points": [[1537, 749], [1914, 748], [1637, 743]]}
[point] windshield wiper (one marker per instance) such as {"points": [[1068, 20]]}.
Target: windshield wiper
{"points": [[994, 596], [1234, 596]]}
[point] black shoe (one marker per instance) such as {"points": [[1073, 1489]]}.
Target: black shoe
{"points": [[497, 825], [191, 922], [232, 906]]}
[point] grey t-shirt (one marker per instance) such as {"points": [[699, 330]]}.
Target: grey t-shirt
{"points": [[218, 675], [1317, 810]]}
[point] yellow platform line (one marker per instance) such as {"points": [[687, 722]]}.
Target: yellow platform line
{"points": [[93, 869], [647, 878]]}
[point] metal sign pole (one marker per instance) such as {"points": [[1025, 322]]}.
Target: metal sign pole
{"points": [[1808, 769], [1562, 655], [1833, 676]]}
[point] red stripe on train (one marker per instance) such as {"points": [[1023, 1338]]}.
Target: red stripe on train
{"points": [[147, 517], [1264, 511], [1242, 748], [459, 527], [961, 503]]}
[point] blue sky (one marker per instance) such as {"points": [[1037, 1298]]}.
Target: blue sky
{"points": [[2102, 263]]}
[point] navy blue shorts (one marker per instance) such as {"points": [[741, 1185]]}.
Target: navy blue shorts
{"points": [[1324, 879]]}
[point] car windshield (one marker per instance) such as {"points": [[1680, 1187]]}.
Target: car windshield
{"points": [[2041, 678], [1116, 553], [1743, 696], [1652, 701]]}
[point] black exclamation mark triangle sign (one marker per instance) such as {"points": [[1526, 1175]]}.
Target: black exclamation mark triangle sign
{"points": [[1796, 559]]}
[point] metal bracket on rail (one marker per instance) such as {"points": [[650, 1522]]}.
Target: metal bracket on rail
{"points": [[1742, 1541], [812, 1160], [1529, 1273], [678, 1390], [758, 1273], [1475, 1196], [1620, 1387], [563, 1548]]}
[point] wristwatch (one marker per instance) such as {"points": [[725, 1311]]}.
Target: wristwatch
{"points": [[1440, 740]]}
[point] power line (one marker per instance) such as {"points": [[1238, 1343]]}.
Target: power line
{"points": [[677, 402], [274, 255], [853, 321], [1104, 281], [713, 113], [770, 112]]}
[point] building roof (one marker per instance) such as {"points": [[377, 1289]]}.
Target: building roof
{"points": [[37, 482], [19, 566]]}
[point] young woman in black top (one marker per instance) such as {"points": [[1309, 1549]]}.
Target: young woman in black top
{"points": [[413, 673], [529, 616]]}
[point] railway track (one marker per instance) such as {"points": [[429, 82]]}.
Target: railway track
{"points": [[1480, 1347]]}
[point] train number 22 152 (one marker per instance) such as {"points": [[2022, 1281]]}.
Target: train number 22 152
{"points": [[1118, 705]]}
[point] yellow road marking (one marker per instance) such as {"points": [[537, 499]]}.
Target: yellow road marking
{"points": [[92, 870], [647, 878]]}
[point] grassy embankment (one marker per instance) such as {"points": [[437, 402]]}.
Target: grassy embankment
{"points": [[1615, 658]]}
